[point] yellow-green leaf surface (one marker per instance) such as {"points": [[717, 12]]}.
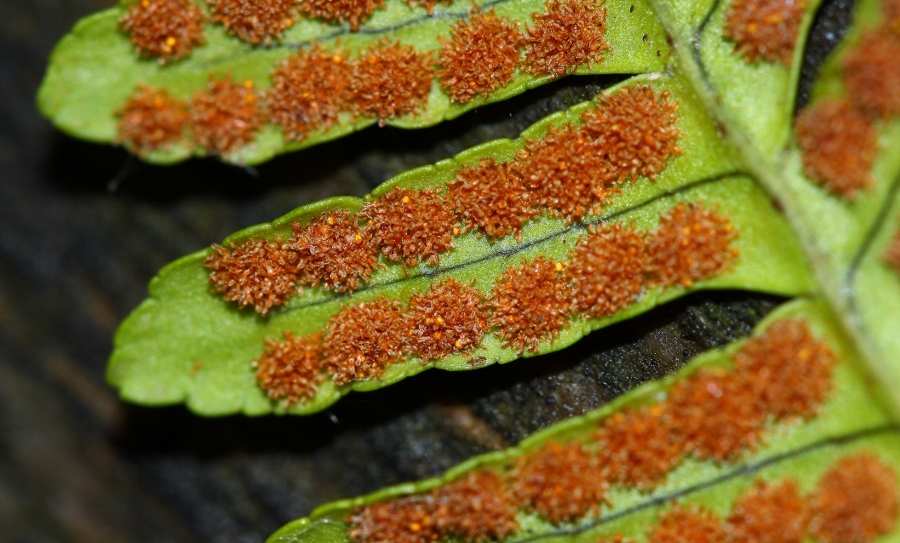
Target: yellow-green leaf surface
{"points": [[95, 69]]}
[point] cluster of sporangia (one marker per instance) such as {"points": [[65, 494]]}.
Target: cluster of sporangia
{"points": [[714, 414], [764, 30], [386, 80]]}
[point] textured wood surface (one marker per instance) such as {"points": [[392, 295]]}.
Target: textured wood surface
{"points": [[77, 465]]}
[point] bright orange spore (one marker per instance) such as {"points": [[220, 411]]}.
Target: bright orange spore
{"points": [[389, 80], [448, 318], [225, 117], [774, 513], [688, 525], [334, 252], [255, 21], [167, 29], [479, 507], [491, 197], [258, 273], [481, 56], [362, 340], [855, 502], [151, 119], [291, 370], [872, 74], [838, 145], [338, 11], [764, 29], [568, 34]]}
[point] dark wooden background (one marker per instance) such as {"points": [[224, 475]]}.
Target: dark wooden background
{"points": [[78, 465]]}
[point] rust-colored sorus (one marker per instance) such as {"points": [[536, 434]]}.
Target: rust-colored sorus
{"points": [[363, 339], [491, 198], [290, 370], [411, 226], [481, 56], [308, 91], [607, 268], [838, 145], [871, 73], [770, 512], [855, 501], [338, 11], [531, 304], [255, 21], [412, 519], [635, 130], [225, 117], [389, 80], [448, 318], [561, 482], [789, 369], [891, 10], [764, 29], [688, 525], [892, 254], [258, 273], [151, 119], [690, 244], [166, 29], [479, 507], [334, 252], [570, 33]]}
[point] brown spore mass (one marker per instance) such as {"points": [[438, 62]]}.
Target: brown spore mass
{"points": [[690, 244], [891, 10], [255, 21], [167, 29], [607, 268], [308, 91], [838, 145], [412, 519], [338, 11], [568, 34], [561, 482], [290, 370], [479, 507], [411, 226], [855, 502], [871, 73], [448, 318], [481, 56], [258, 273], [635, 131], [789, 369], [531, 303], [226, 117], [389, 80], [151, 119], [363, 339], [764, 30], [491, 198], [775, 513], [334, 252], [688, 525]]}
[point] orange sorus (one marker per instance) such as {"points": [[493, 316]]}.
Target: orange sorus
{"points": [[562, 482], [716, 415], [764, 29], [427, 4], [891, 10], [872, 74], [226, 116], [254, 21], [412, 519], [291, 370], [334, 252], [168, 29], [257, 273], [788, 368], [448, 318], [838, 145], [690, 244], [531, 303], [565, 172], [478, 507], [892, 255], [637, 447], [567, 35], [363, 339], [855, 502], [688, 525], [607, 268], [481, 56], [412, 226], [491, 197], [151, 119], [338, 11], [775, 513], [389, 80], [308, 91], [635, 131]]}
